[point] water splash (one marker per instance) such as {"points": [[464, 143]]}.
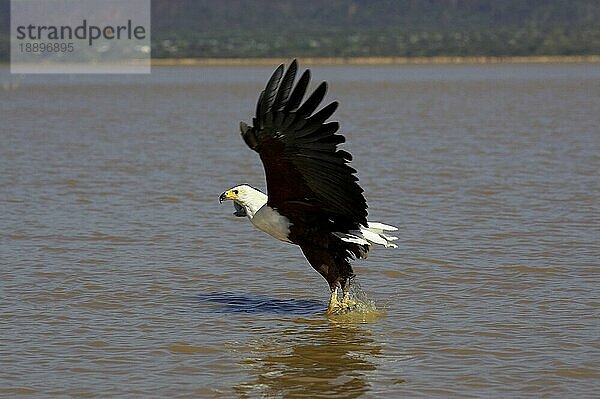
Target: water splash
{"points": [[358, 308]]}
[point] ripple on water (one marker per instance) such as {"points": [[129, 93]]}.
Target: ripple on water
{"points": [[121, 276]]}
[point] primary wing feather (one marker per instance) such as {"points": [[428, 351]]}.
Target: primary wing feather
{"points": [[299, 150], [285, 88]]}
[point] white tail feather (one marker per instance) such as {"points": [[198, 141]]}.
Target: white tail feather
{"points": [[389, 238], [372, 234], [353, 238], [373, 237], [380, 226]]}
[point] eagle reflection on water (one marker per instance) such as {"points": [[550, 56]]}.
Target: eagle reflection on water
{"points": [[322, 360]]}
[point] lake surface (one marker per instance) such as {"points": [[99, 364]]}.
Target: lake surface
{"points": [[122, 276]]}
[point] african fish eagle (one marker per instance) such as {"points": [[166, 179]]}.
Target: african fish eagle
{"points": [[314, 199]]}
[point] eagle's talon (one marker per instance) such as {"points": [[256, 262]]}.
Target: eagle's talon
{"points": [[346, 305]]}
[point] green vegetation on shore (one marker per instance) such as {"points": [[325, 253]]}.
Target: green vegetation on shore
{"points": [[377, 43]]}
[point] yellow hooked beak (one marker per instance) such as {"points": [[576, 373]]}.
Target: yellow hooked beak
{"points": [[228, 195]]}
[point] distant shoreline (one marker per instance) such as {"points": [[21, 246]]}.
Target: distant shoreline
{"points": [[442, 60]]}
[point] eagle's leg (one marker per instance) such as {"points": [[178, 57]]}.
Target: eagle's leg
{"points": [[346, 290], [346, 304], [333, 301], [346, 301]]}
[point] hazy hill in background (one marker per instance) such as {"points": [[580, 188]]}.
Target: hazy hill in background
{"points": [[344, 28], [375, 28]]}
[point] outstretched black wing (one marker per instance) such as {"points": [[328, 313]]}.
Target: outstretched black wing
{"points": [[299, 150]]}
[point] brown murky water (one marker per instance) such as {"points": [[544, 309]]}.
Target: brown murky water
{"points": [[122, 276]]}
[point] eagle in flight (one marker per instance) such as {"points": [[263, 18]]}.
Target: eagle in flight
{"points": [[314, 199]]}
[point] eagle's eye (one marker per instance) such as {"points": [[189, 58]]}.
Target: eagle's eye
{"points": [[235, 192]]}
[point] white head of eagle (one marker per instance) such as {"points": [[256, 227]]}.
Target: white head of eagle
{"points": [[314, 199]]}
